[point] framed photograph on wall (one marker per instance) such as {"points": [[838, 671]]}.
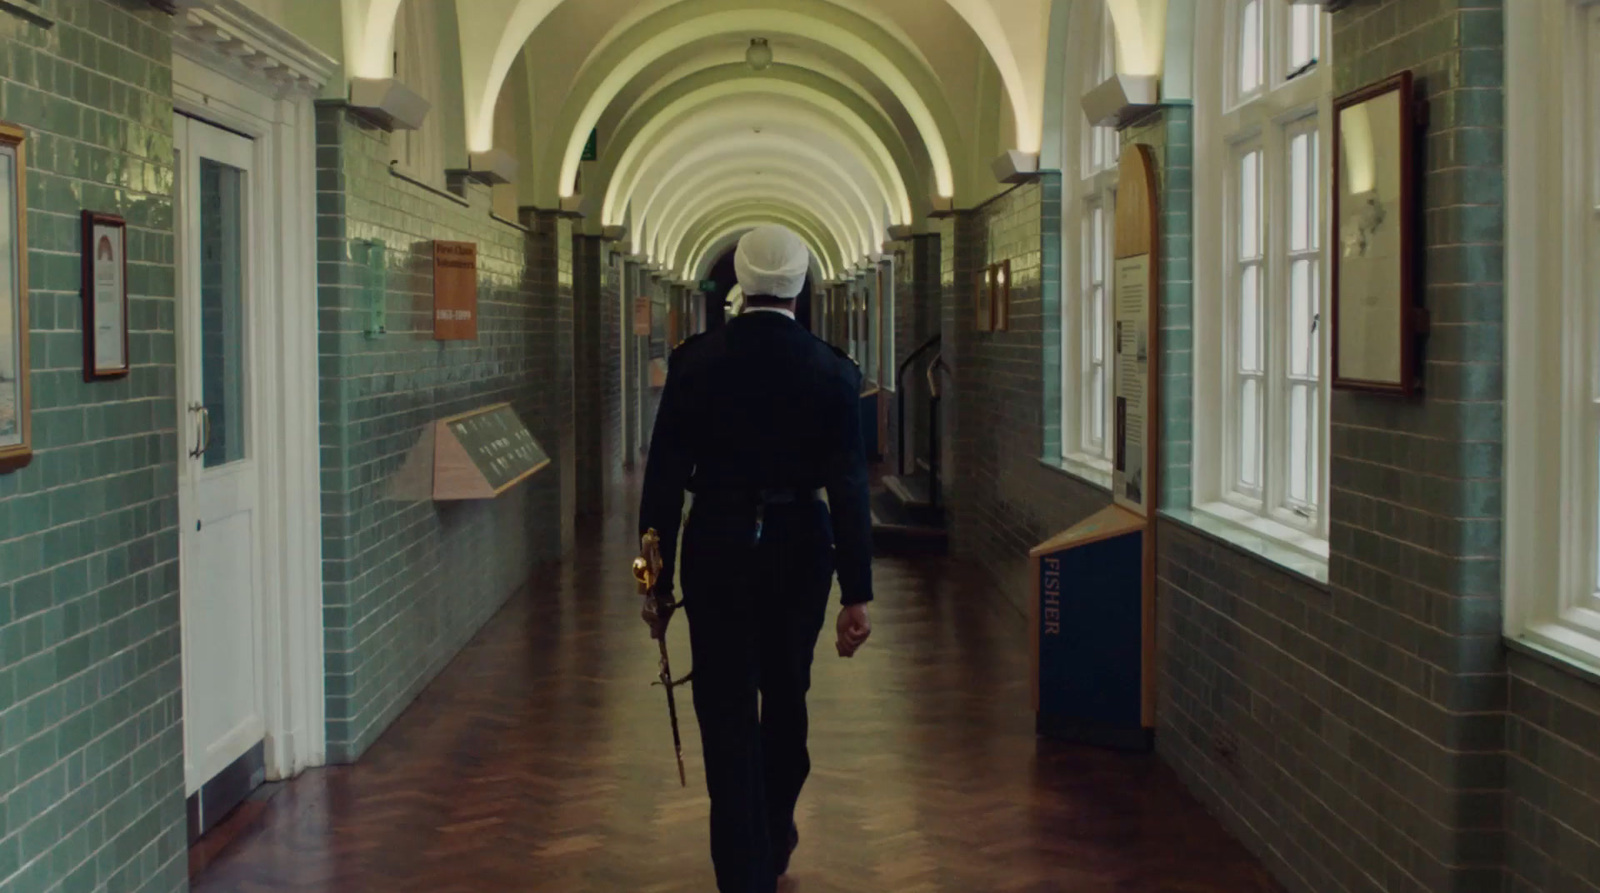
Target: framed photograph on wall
{"points": [[1377, 317], [16, 429], [105, 296], [1000, 285]]}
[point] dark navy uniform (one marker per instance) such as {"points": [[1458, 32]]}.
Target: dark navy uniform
{"points": [[759, 420]]}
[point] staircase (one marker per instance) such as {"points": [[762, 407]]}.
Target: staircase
{"points": [[908, 511]]}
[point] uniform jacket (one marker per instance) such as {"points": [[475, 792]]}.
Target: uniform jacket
{"points": [[758, 404]]}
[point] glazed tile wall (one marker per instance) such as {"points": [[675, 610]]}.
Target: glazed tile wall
{"points": [[1003, 500], [1353, 734], [407, 583], [91, 746]]}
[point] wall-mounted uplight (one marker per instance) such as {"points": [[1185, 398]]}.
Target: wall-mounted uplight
{"points": [[759, 55]]}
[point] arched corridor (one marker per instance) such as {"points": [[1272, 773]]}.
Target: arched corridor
{"points": [[541, 760], [1228, 371]]}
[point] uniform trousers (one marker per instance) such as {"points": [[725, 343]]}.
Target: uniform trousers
{"points": [[755, 609]]}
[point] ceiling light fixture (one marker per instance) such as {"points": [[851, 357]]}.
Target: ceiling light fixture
{"points": [[759, 55]]}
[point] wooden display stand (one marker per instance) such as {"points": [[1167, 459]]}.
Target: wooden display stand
{"points": [[1094, 612], [474, 456]]}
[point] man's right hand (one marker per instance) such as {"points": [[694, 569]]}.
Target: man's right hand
{"points": [[854, 628]]}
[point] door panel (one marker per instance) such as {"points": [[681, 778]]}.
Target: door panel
{"points": [[219, 481]]}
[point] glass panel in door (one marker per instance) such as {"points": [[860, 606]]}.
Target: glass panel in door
{"points": [[222, 311]]}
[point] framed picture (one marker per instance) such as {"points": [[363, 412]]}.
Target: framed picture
{"points": [[16, 429], [105, 296], [1377, 319], [1000, 284], [983, 300]]}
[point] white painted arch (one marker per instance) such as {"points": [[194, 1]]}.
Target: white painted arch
{"points": [[738, 152], [717, 113], [726, 232], [797, 217], [743, 195], [796, 180]]}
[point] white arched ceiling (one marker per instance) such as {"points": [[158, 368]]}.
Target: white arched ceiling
{"points": [[1015, 32], [609, 70], [1141, 27], [689, 188], [796, 216], [780, 156], [715, 111], [487, 54], [851, 242], [796, 138], [674, 106], [369, 37], [697, 258]]}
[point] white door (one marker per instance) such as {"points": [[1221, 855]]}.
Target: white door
{"points": [[218, 481]]}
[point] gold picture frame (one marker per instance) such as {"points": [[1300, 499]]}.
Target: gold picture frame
{"points": [[16, 408]]}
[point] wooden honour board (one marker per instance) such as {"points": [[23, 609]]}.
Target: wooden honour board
{"points": [[455, 291], [473, 456]]}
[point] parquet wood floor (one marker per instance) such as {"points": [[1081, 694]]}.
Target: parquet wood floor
{"points": [[541, 761]]}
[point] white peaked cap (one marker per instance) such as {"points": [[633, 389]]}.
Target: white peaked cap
{"points": [[772, 262]]}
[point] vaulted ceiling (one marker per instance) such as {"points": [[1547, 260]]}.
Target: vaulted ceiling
{"points": [[872, 114]]}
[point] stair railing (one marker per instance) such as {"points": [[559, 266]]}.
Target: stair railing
{"points": [[900, 404], [934, 396]]}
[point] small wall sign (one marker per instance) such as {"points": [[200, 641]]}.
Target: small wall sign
{"points": [[455, 291], [641, 315], [105, 296]]}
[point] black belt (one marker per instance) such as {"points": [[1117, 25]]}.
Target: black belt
{"points": [[757, 501], [738, 498]]}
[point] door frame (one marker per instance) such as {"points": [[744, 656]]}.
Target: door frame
{"points": [[271, 101]]}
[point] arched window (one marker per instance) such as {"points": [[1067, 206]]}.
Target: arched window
{"points": [[1552, 523], [1261, 395], [1090, 223]]}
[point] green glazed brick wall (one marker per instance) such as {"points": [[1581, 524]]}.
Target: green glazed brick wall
{"points": [[408, 583], [1353, 734], [611, 322], [1004, 500], [91, 747], [1553, 780]]}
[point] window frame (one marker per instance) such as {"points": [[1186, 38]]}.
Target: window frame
{"points": [[1091, 183], [1228, 122], [1552, 444]]}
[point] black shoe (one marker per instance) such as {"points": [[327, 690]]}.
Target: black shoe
{"points": [[794, 842]]}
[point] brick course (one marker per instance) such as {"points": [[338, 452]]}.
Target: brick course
{"points": [[91, 746]]}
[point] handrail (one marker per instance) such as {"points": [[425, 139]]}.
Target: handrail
{"points": [[900, 403], [900, 373], [933, 373]]}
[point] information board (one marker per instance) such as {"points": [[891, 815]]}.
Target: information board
{"points": [[481, 454], [1135, 382], [1132, 382], [499, 444], [455, 291]]}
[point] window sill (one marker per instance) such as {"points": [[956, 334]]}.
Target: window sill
{"points": [[1083, 471], [1559, 651], [1291, 552]]}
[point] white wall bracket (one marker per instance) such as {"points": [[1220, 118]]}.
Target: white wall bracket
{"points": [[388, 102], [1120, 99]]}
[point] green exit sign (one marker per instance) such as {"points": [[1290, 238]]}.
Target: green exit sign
{"points": [[708, 285], [591, 149]]}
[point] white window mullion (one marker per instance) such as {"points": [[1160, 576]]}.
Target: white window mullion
{"points": [[1247, 284]]}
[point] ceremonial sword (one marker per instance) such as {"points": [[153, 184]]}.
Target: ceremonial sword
{"points": [[647, 570]]}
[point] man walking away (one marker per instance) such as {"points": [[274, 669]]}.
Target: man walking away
{"points": [[759, 420]]}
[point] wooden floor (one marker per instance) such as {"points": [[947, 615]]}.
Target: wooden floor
{"points": [[541, 761]]}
